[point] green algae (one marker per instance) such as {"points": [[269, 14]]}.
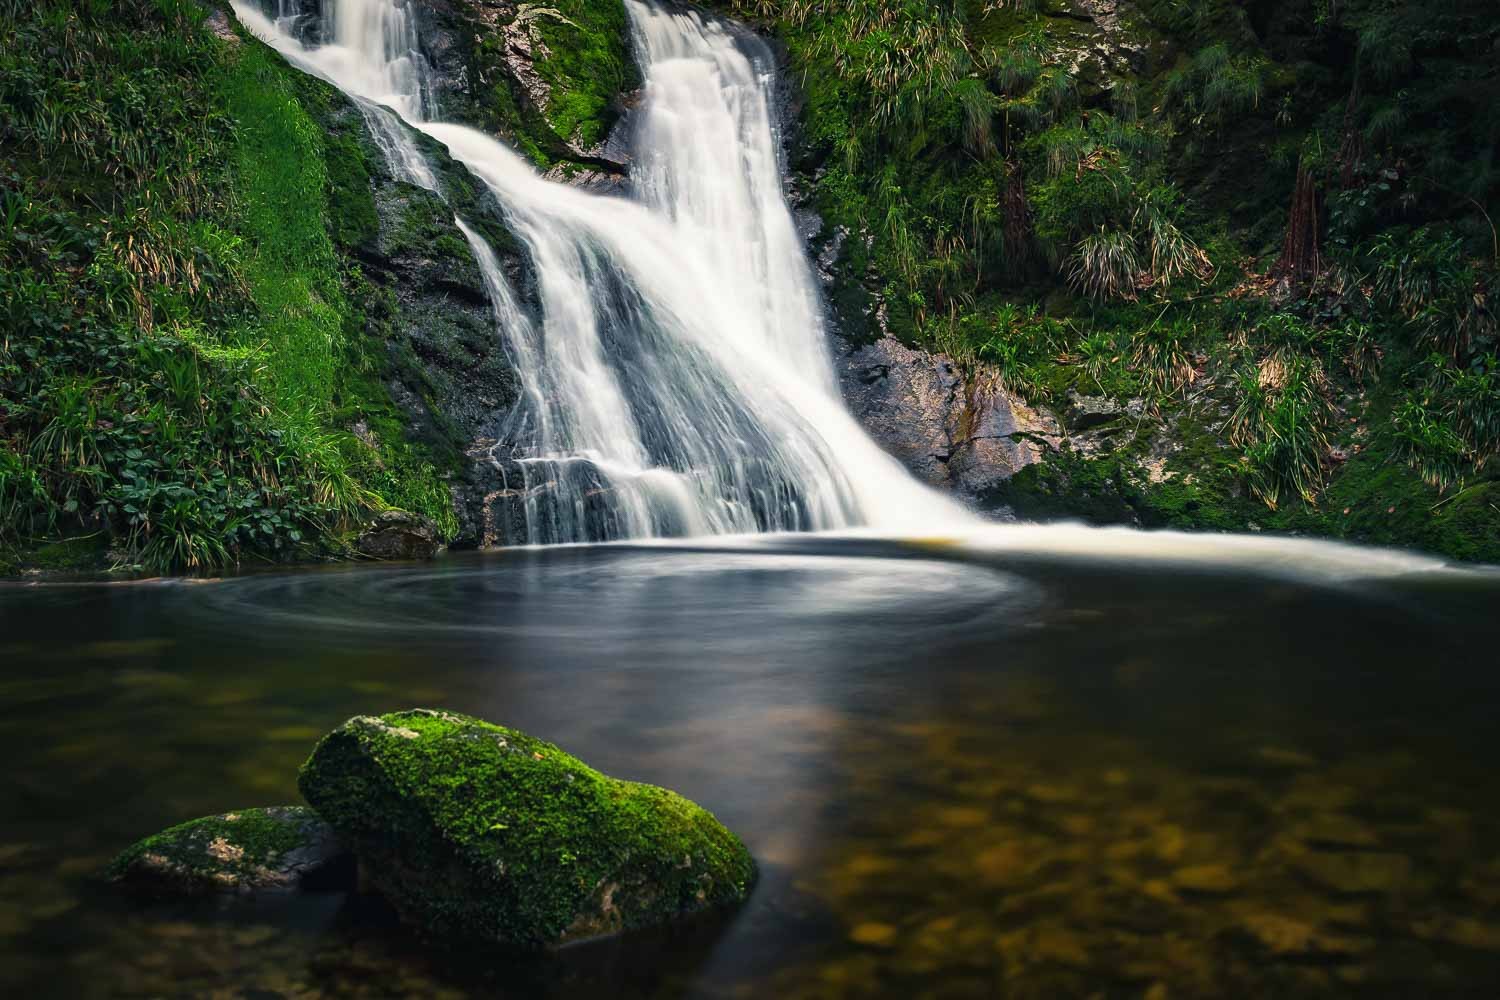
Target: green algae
{"points": [[478, 832]]}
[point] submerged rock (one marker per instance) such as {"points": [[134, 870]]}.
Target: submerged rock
{"points": [[277, 849], [397, 534], [479, 833]]}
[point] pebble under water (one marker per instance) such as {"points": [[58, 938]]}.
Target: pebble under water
{"points": [[963, 775]]}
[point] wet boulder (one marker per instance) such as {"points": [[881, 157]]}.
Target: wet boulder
{"points": [[952, 429], [276, 849], [397, 534], [477, 833]]}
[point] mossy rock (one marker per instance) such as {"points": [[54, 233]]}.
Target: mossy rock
{"points": [[277, 849], [478, 833]]}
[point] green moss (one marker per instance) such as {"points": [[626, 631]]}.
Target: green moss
{"points": [[246, 849], [479, 832], [584, 59], [588, 68], [1377, 500], [281, 181]]}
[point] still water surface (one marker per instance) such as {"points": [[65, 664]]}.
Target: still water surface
{"points": [[964, 773]]}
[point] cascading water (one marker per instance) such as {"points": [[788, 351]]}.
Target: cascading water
{"points": [[369, 48], [676, 376]]}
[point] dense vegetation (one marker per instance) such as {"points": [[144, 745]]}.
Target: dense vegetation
{"points": [[1272, 222], [183, 348]]}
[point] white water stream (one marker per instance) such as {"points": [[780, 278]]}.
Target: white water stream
{"points": [[676, 379]]}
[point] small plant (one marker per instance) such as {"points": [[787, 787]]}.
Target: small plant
{"points": [[1100, 356], [1360, 350], [1162, 359], [23, 496], [1104, 265], [1282, 422], [1215, 86], [1427, 442]]}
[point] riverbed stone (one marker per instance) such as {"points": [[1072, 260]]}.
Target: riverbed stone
{"points": [[477, 833], [1356, 872], [275, 849], [1212, 879], [1285, 936]]}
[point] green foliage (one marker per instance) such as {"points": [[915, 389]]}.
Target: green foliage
{"points": [[23, 494], [586, 62], [1017, 342], [1282, 422], [1215, 86], [177, 330], [1427, 442], [1115, 233], [1448, 302], [1161, 355], [1448, 427]]}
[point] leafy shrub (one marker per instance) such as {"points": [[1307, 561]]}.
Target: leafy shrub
{"points": [[1428, 442], [1282, 422], [1162, 358], [1104, 265], [1216, 85], [1447, 300]]}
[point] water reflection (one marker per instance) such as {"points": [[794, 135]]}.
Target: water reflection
{"points": [[964, 773]]}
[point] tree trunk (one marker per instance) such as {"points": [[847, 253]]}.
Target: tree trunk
{"points": [[1300, 257]]}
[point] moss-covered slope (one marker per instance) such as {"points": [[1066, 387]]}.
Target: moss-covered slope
{"points": [[481, 833], [230, 333]]}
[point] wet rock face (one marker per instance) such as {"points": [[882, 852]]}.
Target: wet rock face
{"points": [[423, 297], [480, 48], [1107, 40], [449, 370], [399, 535], [952, 432], [278, 849], [501, 501], [481, 834], [306, 19]]}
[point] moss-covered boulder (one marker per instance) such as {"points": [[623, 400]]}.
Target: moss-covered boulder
{"points": [[278, 849], [478, 833]]}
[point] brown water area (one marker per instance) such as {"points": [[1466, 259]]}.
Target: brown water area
{"points": [[963, 775]]}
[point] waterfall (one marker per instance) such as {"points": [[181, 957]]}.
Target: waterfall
{"points": [[676, 376]]}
